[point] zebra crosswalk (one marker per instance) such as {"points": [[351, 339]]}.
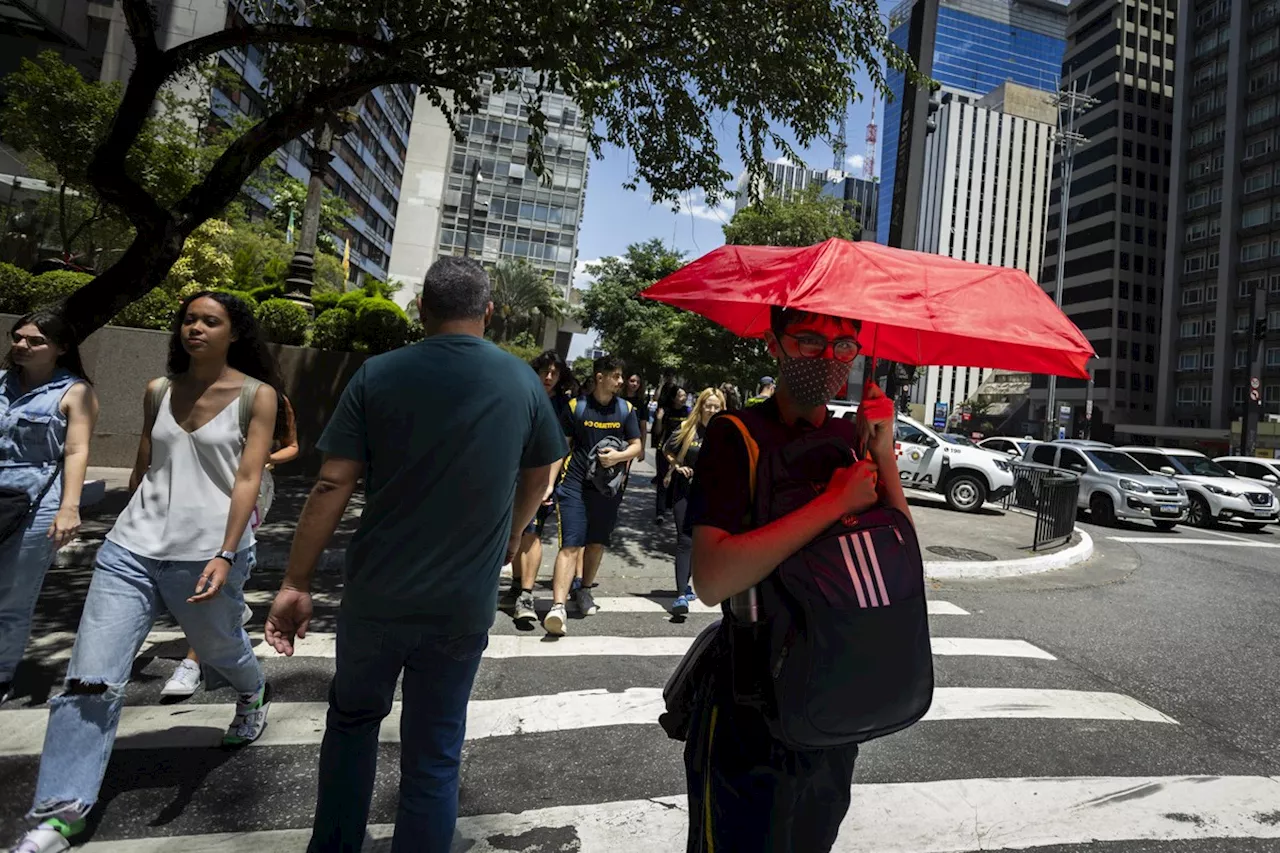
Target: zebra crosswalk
{"points": [[1019, 750]]}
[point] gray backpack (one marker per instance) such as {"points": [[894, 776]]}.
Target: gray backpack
{"points": [[247, 392]]}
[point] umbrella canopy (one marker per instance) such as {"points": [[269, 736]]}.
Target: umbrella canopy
{"points": [[915, 307]]}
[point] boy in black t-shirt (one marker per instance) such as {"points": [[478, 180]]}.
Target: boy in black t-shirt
{"points": [[748, 792], [604, 433]]}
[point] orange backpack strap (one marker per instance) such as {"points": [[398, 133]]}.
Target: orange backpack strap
{"points": [[753, 449]]}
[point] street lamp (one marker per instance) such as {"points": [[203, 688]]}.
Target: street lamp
{"points": [[302, 268], [471, 207]]}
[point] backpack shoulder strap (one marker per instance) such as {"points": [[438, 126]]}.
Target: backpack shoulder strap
{"points": [[155, 396], [753, 449], [247, 393], [575, 409]]}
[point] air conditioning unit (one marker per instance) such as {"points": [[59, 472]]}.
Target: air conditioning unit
{"points": [[1273, 419]]}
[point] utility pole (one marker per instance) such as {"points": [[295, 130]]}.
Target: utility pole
{"points": [[471, 206], [1253, 402], [1071, 103]]}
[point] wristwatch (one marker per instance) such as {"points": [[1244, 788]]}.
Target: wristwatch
{"points": [[229, 556]]}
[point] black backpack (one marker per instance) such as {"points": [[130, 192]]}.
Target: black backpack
{"points": [[840, 652]]}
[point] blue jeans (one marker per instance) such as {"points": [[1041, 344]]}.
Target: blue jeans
{"points": [[125, 596], [24, 560], [438, 673]]}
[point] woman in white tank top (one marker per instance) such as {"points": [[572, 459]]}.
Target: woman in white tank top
{"points": [[183, 544]]}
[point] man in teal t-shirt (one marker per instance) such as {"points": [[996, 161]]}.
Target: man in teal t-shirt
{"points": [[456, 441]]}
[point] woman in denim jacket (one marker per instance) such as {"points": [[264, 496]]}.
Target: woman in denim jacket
{"points": [[47, 413]]}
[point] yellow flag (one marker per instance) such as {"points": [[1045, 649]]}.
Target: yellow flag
{"points": [[346, 259]]}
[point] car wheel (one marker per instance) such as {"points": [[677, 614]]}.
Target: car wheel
{"points": [[1198, 514], [966, 492], [1166, 525], [1102, 510]]}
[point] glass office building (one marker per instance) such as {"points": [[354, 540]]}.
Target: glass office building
{"points": [[979, 45]]}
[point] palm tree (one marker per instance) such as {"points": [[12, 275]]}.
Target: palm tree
{"points": [[523, 298]]}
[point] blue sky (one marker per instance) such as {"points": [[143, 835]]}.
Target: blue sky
{"points": [[615, 217]]}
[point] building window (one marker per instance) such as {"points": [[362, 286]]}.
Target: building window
{"points": [[1258, 214], [1241, 358], [1192, 296], [1211, 293], [1255, 251], [1206, 361], [1210, 327], [1256, 181], [1122, 319], [1273, 356], [1189, 361], [1135, 351], [1237, 394], [1206, 393], [1189, 329], [1193, 263], [1186, 394]]}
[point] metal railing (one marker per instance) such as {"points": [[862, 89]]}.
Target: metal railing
{"points": [[1051, 494]]}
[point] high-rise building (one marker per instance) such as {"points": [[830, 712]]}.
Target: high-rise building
{"points": [[787, 179], [1122, 55], [986, 184], [1224, 214], [514, 215], [978, 45]]}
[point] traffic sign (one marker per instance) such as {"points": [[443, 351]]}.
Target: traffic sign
{"points": [[1254, 382], [1254, 395]]}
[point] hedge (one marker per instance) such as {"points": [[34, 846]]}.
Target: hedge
{"points": [[352, 301], [381, 325], [155, 310], [334, 329], [326, 300], [283, 321], [15, 289]]}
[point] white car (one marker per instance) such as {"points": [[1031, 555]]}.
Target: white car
{"points": [[1216, 494], [1012, 447], [966, 476], [1264, 472]]}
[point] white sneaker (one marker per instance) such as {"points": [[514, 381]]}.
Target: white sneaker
{"points": [[555, 621], [184, 681], [50, 836]]}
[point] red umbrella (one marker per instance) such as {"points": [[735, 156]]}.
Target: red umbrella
{"points": [[915, 307]]}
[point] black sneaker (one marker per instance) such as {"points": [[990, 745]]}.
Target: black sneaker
{"points": [[6, 691], [525, 611], [585, 600]]}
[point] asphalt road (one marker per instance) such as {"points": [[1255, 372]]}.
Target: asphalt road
{"points": [[1124, 706]]}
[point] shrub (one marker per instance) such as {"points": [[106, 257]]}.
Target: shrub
{"points": [[325, 300], [352, 301], [54, 286], [283, 321], [267, 291], [15, 289], [381, 325], [154, 310], [334, 329]]}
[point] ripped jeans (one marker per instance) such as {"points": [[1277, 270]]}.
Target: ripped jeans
{"points": [[128, 591]]}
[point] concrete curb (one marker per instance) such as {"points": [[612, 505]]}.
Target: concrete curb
{"points": [[980, 570]]}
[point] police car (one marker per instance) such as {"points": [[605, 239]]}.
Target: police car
{"points": [[966, 476]]}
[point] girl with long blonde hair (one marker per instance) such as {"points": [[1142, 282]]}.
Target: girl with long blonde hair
{"points": [[681, 451]]}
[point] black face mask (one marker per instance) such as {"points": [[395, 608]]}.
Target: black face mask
{"points": [[813, 381]]}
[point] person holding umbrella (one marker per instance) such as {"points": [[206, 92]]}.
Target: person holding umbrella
{"points": [[747, 790]]}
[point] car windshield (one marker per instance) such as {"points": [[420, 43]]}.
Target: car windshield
{"points": [[1197, 466], [1115, 462], [952, 438]]}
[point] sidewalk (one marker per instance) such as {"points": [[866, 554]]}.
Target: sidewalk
{"points": [[989, 543]]}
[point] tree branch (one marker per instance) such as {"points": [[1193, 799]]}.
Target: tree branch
{"points": [[141, 23], [243, 156], [188, 52]]}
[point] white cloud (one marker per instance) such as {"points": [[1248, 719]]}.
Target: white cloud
{"points": [[855, 162], [784, 161], [582, 280], [695, 204]]}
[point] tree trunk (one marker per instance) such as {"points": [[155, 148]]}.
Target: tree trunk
{"points": [[140, 269]]}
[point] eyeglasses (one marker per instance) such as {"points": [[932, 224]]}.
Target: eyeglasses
{"points": [[814, 346], [32, 340]]}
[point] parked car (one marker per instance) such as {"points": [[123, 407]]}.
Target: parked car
{"points": [[1083, 442], [1008, 446], [1216, 494], [1264, 472], [966, 476], [1113, 485]]}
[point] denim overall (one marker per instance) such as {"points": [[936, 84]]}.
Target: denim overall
{"points": [[33, 436]]}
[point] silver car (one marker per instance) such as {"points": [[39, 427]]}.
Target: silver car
{"points": [[1264, 472], [1113, 485]]}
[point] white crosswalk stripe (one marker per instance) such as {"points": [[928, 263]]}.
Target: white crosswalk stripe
{"points": [[925, 817], [323, 645], [946, 816]]}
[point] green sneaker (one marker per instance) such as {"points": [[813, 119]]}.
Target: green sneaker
{"points": [[250, 720]]}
